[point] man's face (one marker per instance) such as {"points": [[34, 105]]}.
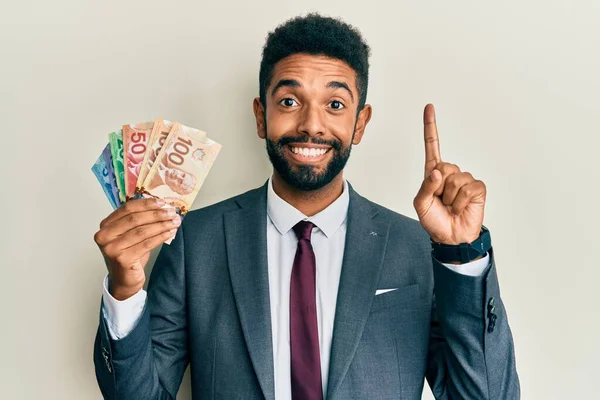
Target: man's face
{"points": [[311, 119]]}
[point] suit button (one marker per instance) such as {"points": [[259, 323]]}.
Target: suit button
{"points": [[491, 316]]}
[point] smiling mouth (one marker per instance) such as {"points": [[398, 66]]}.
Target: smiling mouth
{"points": [[304, 153]]}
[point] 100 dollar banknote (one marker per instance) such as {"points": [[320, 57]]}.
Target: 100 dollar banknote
{"points": [[181, 167], [160, 131]]}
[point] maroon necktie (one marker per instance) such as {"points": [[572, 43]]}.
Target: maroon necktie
{"points": [[304, 334]]}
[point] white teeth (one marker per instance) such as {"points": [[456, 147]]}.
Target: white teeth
{"points": [[308, 152]]}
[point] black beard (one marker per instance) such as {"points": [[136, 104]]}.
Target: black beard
{"points": [[305, 177]]}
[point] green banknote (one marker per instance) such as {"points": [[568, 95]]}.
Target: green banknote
{"points": [[116, 149]]}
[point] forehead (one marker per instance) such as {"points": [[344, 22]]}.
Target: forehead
{"points": [[314, 69]]}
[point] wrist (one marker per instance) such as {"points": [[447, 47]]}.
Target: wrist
{"points": [[121, 292], [462, 253], [454, 242]]}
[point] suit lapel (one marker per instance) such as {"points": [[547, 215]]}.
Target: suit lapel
{"points": [[366, 240], [246, 241]]}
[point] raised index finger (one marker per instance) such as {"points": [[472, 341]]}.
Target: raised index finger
{"points": [[432, 140]]}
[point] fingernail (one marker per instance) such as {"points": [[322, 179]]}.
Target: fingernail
{"points": [[176, 221], [160, 202], [171, 212]]}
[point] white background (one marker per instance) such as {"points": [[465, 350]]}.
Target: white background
{"points": [[516, 89]]}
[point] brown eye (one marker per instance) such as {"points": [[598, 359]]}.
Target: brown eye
{"points": [[288, 102], [336, 105]]}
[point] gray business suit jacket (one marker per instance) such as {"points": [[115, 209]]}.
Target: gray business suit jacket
{"points": [[208, 305]]}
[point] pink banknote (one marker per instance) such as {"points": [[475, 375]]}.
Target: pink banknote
{"points": [[135, 143]]}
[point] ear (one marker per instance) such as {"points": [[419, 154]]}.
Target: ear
{"points": [[364, 116], [259, 115]]}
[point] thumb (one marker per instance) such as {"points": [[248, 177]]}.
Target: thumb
{"points": [[429, 186]]}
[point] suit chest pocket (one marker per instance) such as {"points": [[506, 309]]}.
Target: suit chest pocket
{"points": [[398, 316], [399, 313], [406, 296]]}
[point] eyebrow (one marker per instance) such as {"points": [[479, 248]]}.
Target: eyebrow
{"points": [[340, 85], [295, 84], [285, 83]]}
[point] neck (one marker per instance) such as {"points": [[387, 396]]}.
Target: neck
{"points": [[312, 202]]}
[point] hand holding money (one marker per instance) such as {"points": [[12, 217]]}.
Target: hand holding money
{"points": [[160, 159], [126, 238]]}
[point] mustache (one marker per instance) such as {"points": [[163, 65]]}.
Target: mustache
{"points": [[287, 140]]}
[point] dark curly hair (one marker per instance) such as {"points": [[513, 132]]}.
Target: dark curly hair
{"points": [[316, 35]]}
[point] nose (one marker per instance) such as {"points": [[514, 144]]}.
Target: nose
{"points": [[312, 121]]}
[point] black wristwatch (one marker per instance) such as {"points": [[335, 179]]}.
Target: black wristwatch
{"points": [[463, 252]]}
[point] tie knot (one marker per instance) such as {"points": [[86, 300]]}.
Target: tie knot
{"points": [[303, 229]]}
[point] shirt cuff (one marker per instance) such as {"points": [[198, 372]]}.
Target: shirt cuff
{"points": [[473, 268], [121, 316]]}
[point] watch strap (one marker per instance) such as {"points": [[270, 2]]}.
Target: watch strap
{"points": [[463, 252]]}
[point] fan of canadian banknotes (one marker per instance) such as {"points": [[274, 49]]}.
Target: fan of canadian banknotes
{"points": [[161, 159]]}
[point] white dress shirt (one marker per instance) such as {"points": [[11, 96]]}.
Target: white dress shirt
{"points": [[328, 240]]}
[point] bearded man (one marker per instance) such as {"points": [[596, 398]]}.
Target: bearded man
{"points": [[303, 289]]}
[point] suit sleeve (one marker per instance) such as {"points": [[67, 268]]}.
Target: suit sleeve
{"points": [[150, 361], [471, 352], [121, 316]]}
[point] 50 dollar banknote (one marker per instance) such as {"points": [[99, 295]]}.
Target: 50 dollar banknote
{"points": [[135, 143]]}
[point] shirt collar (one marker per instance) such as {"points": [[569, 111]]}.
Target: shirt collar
{"points": [[284, 216]]}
